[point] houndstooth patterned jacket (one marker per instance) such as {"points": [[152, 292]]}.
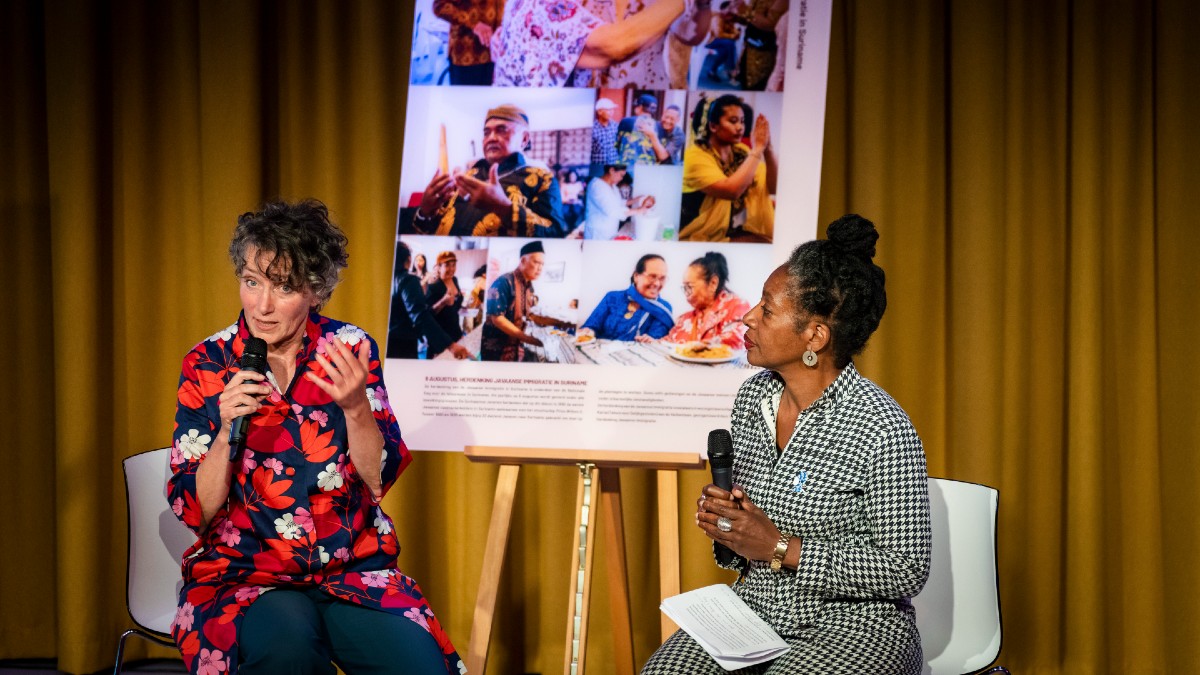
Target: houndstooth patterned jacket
{"points": [[851, 483]]}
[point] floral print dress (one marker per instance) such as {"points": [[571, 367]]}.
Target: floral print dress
{"points": [[539, 43], [720, 322], [298, 515]]}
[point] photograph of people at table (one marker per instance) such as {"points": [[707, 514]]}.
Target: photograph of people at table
{"points": [[745, 47], [485, 162], [531, 302], [659, 319], [429, 320], [636, 312], [730, 168], [715, 317]]}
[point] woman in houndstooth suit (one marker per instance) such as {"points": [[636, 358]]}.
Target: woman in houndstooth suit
{"points": [[829, 514]]}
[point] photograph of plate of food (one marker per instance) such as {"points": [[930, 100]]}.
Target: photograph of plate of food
{"points": [[702, 352], [584, 338]]}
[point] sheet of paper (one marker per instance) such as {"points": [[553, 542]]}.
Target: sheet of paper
{"points": [[724, 626]]}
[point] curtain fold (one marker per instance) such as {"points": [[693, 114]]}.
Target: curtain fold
{"points": [[1031, 167]]}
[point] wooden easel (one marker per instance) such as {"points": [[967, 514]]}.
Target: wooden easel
{"points": [[599, 483]]}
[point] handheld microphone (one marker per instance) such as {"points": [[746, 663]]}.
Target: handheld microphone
{"points": [[254, 360], [720, 458]]}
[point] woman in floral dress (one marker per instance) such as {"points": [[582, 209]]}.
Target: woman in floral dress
{"points": [[294, 566], [716, 314], [590, 43]]}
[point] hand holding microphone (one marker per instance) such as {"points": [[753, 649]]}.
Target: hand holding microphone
{"points": [[726, 513], [720, 459], [242, 395]]}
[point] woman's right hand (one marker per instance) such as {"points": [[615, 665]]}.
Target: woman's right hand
{"points": [[242, 396]]}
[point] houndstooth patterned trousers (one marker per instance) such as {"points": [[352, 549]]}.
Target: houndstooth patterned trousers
{"points": [[885, 645]]}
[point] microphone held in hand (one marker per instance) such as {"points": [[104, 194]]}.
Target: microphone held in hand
{"points": [[720, 458], [254, 360]]}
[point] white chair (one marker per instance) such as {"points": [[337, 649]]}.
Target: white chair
{"points": [[958, 612], [157, 540]]}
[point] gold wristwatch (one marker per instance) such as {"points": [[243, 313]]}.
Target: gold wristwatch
{"points": [[780, 551]]}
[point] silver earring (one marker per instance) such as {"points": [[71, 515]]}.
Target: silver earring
{"points": [[809, 358]]}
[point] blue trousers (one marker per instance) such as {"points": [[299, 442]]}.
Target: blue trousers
{"points": [[304, 632]]}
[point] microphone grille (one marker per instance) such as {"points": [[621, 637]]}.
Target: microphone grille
{"points": [[720, 448], [254, 356]]}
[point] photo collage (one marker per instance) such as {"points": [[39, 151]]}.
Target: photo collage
{"points": [[579, 187]]}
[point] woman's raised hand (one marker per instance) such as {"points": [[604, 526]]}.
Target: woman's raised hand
{"points": [[761, 134], [345, 374]]}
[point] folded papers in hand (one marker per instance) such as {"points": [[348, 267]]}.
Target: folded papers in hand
{"points": [[724, 626]]}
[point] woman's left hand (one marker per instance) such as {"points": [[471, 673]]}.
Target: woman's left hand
{"points": [[752, 536], [345, 375], [761, 134]]}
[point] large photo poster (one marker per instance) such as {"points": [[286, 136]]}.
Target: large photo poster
{"points": [[592, 195]]}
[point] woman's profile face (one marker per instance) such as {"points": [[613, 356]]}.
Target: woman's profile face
{"points": [[698, 291], [649, 282], [730, 127], [773, 340], [419, 261], [274, 312]]}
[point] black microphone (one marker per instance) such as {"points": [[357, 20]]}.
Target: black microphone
{"points": [[720, 458], [254, 360]]}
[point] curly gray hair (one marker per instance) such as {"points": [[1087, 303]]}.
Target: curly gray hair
{"points": [[305, 248]]}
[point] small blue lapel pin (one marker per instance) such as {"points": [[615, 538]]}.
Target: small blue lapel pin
{"points": [[801, 479]]}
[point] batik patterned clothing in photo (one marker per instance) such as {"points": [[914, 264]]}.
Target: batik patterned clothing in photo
{"points": [[510, 296], [720, 322], [851, 484], [539, 43], [465, 49], [536, 205], [634, 146], [645, 69], [298, 514]]}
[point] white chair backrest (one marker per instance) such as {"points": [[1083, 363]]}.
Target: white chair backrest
{"points": [[157, 540], [958, 612]]}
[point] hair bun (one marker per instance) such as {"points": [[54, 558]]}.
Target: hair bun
{"points": [[854, 235]]}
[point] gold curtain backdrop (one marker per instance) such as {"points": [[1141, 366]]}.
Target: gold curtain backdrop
{"points": [[1031, 166]]}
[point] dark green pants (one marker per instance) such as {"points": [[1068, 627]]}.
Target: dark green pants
{"points": [[304, 632]]}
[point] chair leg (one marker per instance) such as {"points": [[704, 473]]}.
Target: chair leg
{"points": [[121, 650], [150, 637]]}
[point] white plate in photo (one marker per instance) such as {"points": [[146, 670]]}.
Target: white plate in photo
{"points": [[693, 352]]}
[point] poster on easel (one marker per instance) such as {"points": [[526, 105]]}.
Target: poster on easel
{"points": [[592, 193]]}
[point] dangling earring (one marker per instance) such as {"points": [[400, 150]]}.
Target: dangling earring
{"points": [[809, 357]]}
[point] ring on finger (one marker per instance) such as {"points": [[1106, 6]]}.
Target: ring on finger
{"points": [[724, 524]]}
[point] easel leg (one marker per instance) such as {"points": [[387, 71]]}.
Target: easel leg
{"points": [[668, 542], [493, 563], [618, 572], [581, 569]]}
